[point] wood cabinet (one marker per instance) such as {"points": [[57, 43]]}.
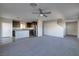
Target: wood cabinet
{"points": [[29, 24], [16, 24]]}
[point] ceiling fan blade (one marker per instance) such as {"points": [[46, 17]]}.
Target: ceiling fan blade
{"points": [[35, 12], [33, 4], [41, 11], [44, 15], [46, 12]]}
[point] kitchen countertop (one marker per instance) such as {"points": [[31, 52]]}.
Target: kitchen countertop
{"points": [[22, 29]]}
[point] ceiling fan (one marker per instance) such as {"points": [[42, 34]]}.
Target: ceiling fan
{"points": [[41, 12]]}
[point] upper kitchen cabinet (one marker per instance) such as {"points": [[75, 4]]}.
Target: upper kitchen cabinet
{"points": [[29, 24], [16, 23]]}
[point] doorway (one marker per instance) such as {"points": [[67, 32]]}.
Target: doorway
{"points": [[33, 32], [71, 29]]}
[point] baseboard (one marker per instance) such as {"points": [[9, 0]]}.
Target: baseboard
{"points": [[71, 35]]}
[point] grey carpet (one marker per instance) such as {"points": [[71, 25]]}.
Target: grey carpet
{"points": [[42, 46]]}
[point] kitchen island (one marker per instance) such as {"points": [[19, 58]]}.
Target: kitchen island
{"points": [[21, 33]]}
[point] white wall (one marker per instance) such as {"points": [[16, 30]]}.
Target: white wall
{"points": [[0, 27], [53, 29], [40, 28], [71, 28], [22, 24], [78, 29]]}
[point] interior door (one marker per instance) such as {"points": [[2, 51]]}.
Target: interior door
{"points": [[6, 29]]}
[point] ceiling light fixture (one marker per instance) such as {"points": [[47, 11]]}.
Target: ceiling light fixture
{"points": [[41, 14]]}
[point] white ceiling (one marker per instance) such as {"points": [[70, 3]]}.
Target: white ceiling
{"points": [[24, 10]]}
